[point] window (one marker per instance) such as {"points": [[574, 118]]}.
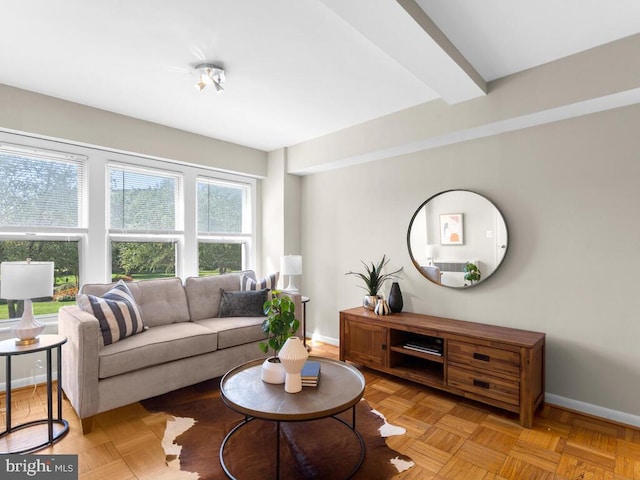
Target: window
{"points": [[64, 255], [224, 226], [40, 188], [219, 258], [139, 260], [222, 207], [143, 200], [42, 217], [100, 215], [143, 221]]}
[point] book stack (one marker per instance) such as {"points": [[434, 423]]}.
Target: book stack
{"points": [[310, 374]]}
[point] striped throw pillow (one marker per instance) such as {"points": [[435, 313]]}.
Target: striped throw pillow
{"points": [[269, 282], [116, 311]]}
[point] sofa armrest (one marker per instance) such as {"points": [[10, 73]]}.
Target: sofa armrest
{"points": [[80, 360]]}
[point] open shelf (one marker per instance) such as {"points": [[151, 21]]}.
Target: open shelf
{"points": [[426, 347], [417, 368], [431, 357]]}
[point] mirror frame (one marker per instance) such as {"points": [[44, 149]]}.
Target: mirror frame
{"points": [[418, 265]]}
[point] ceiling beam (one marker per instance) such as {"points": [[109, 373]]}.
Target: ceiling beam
{"points": [[609, 78], [402, 30]]}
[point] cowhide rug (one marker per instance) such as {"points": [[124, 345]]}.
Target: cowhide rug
{"points": [[321, 449]]}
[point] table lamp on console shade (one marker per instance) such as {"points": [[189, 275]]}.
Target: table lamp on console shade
{"points": [[291, 265], [431, 252], [25, 281]]}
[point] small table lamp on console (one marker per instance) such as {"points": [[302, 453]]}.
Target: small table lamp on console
{"points": [[431, 252], [291, 265], [25, 281]]}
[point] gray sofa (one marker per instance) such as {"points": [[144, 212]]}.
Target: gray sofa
{"points": [[185, 342]]}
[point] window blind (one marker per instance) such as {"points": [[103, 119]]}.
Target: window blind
{"points": [[222, 207], [143, 200], [41, 188]]}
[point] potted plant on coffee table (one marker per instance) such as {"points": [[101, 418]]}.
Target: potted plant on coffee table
{"points": [[373, 279], [279, 325]]}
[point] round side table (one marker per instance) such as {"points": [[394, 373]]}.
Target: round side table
{"points": [[9, 349]]}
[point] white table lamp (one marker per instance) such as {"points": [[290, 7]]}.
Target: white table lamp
{"points": [[24, 281], [291, 265], [431, 252]]}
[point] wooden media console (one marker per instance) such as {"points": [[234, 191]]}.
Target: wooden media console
{"points": [[499, 366]]}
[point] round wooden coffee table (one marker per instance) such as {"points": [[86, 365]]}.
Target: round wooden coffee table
{"points": [[340, 388]]}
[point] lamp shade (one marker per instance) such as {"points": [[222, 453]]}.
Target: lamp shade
{"points": [[26, 280], [431, 251], [291, 265]]}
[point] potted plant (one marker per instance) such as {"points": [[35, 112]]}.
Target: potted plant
{"points": [[373, 279], [279, 325], [472, 273]]}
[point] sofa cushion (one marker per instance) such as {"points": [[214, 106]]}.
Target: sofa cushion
{"points": [[242, 304], [269, 282], [155, 346], [161, 301], [203, 293], [116, 311], [233, 331]]}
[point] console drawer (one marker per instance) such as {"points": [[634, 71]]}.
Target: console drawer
{"points": [[480, 383], [491, 360]]}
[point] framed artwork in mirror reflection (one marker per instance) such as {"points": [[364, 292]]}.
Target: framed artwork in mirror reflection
{"points": [[451, 229]]}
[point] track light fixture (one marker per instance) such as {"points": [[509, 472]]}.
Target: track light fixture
{"points": [[209, 74]]}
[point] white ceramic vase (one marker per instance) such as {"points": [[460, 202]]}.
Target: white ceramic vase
{"points": [[293, 356], [273, 372]]}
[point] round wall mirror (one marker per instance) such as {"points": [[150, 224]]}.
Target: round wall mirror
{"points": [[457, 239]]}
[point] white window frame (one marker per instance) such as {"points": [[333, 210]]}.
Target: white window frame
{"points": [[38, 152], [247, 237], [178, 228], [19, 145], [94, 234]]}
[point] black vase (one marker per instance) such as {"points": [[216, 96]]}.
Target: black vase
{"points": [[395, 298]]}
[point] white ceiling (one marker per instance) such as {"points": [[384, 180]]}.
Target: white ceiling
{"points": [[296, 69]]}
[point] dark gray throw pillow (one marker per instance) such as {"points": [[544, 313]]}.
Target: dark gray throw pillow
{"points": [[240, 303]]}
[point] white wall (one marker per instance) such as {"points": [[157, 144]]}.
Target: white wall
{"points": [[570, 194], [280, 215], [48, 117]]}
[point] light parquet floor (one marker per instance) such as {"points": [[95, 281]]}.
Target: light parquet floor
{"points": [[447, 437]]}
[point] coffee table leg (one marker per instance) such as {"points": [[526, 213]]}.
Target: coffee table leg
{"points": [[277, 450], [353, 422]]}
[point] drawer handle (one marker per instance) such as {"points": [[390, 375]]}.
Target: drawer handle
{"points": [[480, 383], [481, 356]]}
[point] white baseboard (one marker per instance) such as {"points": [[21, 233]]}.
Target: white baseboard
{"points": [[28, 381], [590, 409], [328, 340]]}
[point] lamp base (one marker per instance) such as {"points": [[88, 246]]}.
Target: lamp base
{"points": [[28, 329], [292, 286]]}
